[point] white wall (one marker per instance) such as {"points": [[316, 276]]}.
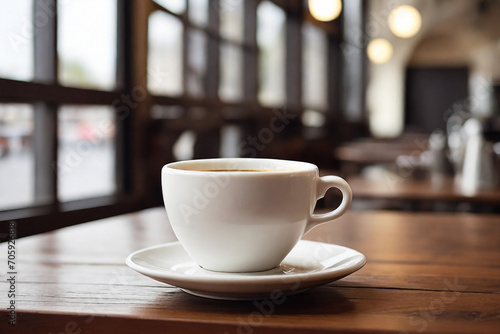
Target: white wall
{"points": [[452, 34]]}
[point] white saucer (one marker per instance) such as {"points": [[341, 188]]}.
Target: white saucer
{"points": [[309, 264]]}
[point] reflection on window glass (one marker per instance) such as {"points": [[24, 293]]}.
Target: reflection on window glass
{"points": [[16, 156], [231, 69], [231, 19], [271, 42], [230, 141], [165, 54], [196, 59], [184, 146], [313, 118], [86, 156], [315, 67], [87, 43], [16, 40], [198, 12], [175, 6]]}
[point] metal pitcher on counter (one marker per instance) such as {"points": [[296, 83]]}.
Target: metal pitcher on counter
{"points": [[479, 169]]}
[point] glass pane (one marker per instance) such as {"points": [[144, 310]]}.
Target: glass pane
{"points": [[271, 42], [315, 67], [231, 71], [198, 12], [16, 39], [197, 62], [175, 6], [313, 118], [86, 152], [230, 141], [16, 156], [165, 54], [231, 19], [87, 43], [184, 146]]}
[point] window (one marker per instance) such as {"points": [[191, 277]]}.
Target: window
{"points": [[61, 125], [197, 62], [16, 155], [231, 20], [271, 41], [165, 54], [314, 75], [231, 70], [86, 151], [16, 61], [87, 43], [106, 92], [314, 68], [175, 6], [198, 12]]}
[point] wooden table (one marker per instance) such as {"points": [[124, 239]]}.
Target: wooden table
{"points": [[363, 152], [410, 189], [422, 193], [432, 273]]}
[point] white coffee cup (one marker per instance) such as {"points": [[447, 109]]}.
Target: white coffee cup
{"points": [[245, 215]]}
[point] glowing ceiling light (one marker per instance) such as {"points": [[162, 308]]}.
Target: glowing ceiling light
{"points": [[325, 10], [379, 51], [405, 21]]}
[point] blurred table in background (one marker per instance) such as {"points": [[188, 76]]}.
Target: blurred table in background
{"points": [[442, 194], [355, 155]]}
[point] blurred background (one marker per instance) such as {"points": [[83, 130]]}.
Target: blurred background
{"points": [[400, 97]]}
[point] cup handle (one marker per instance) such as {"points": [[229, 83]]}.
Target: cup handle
{"points": [[323, 184]]}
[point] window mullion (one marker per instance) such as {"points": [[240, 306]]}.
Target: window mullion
{"points": [[293, 57], [212, 75], [122, 121], [353, 63], [250, 54], [45, 132], [185, 38], [334, 55]]}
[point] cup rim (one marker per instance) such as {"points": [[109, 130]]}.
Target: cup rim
{"points": [[268, 165]]}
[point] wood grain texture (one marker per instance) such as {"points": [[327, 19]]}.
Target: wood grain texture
{"points": [[426, 273]]}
